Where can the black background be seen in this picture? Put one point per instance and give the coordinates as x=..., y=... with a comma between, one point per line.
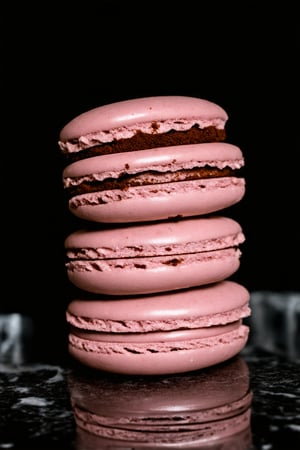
x=58, y=62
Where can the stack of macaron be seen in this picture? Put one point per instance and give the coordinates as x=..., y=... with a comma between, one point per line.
x=148, y=179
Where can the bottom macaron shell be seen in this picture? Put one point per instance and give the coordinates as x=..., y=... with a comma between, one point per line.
x=214, y=266
x=151, y=203
x=212, y=351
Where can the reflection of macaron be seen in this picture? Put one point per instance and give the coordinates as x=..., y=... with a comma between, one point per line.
x=154, y=257
x=192, y=410
x=174, y=332
x=150, y=159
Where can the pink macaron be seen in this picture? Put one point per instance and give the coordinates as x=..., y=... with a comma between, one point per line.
x=150, y=159
x=142, y=123
x=192, y=410
x=171, y=332
x=155, y=256
x=160, y=183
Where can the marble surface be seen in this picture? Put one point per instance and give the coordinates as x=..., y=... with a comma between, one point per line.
x=36, y=413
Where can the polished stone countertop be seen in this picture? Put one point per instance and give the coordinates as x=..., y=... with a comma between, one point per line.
x=36, y=413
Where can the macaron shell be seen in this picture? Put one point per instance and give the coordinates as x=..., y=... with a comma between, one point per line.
x=134, y=111
x=216, y=266
x=159, y=202
x=214, y=154
x=213, y=351
x=204, y=302
x=156, y=239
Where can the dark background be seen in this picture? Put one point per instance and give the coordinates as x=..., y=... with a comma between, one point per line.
x=58, y=62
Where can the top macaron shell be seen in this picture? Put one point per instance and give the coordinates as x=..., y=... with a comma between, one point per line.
x=206, y=306
x=126, y=116
x=163, y=159
x=172, y=237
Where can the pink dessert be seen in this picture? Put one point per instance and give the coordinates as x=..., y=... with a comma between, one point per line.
x=147, y=116
x=154, y=257
x=155, y=184
x=150, y=159
x=177, y=331
x=193, y=410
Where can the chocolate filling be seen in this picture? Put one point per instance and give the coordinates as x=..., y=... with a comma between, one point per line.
x=142, y=141
x=149, y=177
